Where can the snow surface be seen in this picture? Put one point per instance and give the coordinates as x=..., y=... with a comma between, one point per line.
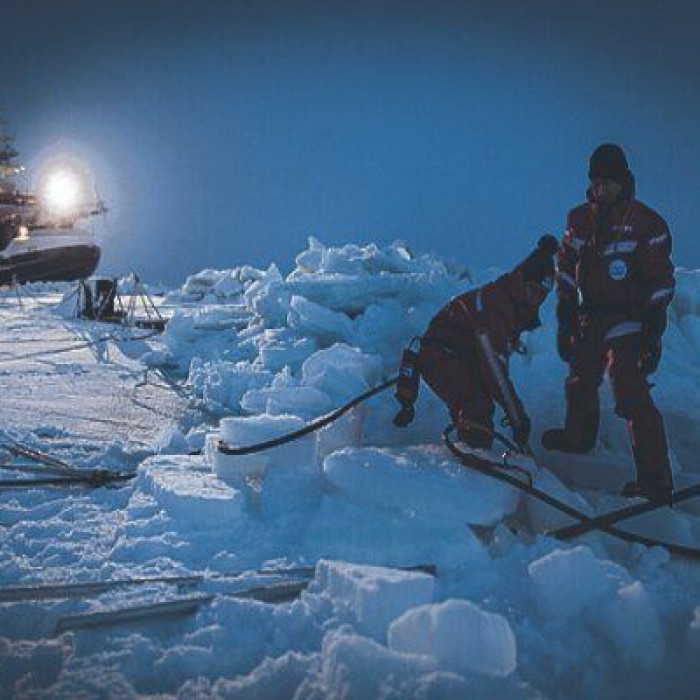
x=459, y=635
x=251, y=354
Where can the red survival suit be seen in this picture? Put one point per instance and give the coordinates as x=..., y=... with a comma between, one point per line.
x=464, y=352
x=615, y=280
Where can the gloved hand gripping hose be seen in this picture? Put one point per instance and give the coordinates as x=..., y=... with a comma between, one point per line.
x=408, y=384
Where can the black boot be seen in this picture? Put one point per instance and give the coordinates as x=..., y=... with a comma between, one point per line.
x=474, y=436
x=559, y=440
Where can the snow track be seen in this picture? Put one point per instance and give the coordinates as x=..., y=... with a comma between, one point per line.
x=83, y=394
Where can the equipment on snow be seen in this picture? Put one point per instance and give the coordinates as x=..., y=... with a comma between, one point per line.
x=63, y=474
x=274, y=593
x=98, y=298
x=312, y=427
x=85, y=589
x=164, y=608
x=626, y=512
x=102, y=300
x=503, y=472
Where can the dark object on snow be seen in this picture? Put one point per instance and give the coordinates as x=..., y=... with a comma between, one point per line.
x=87, y=589
x=185, y=605
x=106, y=292
x=605, y=523
x=98, y=298
x=309, y=428
x=55, y=472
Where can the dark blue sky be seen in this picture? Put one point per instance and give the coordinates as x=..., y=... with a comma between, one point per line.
x=224, y=133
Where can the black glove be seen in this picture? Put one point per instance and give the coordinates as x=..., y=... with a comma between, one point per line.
x=521, y=433
x=407, y=386
x=539, y=266
x=567, y=330
x=650, y=358
x=404, y=417
x=653, y=327
x=565, y=345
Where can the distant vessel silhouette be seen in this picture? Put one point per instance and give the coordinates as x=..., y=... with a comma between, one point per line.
x=41, y=236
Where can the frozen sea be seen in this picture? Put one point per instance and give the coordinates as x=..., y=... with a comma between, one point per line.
x=412, y=577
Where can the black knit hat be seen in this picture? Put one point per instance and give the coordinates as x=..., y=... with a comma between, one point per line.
x=609, y=163
x=539, y=265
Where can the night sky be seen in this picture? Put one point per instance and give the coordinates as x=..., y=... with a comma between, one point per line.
x=224, y=133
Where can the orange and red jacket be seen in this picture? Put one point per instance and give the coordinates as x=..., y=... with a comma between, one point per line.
x=484, y=327
x=619, y=268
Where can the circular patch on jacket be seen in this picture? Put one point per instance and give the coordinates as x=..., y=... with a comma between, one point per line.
x=617, y=270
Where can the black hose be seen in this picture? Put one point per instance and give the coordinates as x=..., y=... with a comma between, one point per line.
x=307, y=429
x=495, y=471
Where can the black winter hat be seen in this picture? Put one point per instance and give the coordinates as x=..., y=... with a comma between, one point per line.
x=539, y=265
x=609, y=162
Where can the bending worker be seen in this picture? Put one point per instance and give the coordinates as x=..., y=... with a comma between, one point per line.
x=464, y=352
x=614, y=284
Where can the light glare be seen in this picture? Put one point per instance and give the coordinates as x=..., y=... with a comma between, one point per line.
x=62, y=192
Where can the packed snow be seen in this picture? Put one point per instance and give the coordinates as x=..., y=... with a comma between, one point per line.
x=410, y=575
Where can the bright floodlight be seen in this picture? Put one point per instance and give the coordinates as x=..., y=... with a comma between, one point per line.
x=62, y=192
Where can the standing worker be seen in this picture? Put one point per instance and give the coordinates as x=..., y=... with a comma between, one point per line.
x=464, y=353
x=614, y=284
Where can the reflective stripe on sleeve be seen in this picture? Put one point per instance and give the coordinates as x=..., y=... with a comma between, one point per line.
x=624, y=328
x=497, y=371
x=658, y=240
x=566, y=278
x=464, y=306
x=620, y=247
x=661, y=294
x=576, y=243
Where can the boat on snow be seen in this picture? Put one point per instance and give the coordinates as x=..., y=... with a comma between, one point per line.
x=44, y=237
